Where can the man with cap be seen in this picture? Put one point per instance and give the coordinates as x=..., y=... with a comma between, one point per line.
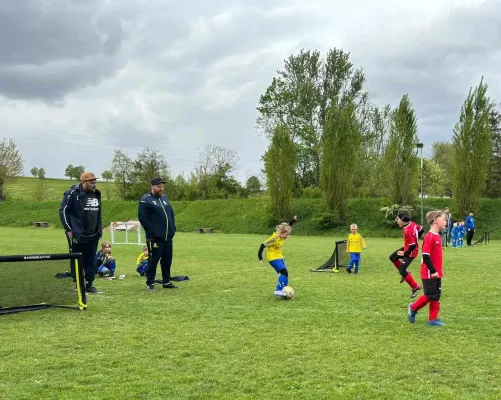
x=157, y=219
x=80, y=215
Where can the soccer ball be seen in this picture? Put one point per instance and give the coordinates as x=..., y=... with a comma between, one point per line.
x=289, y=292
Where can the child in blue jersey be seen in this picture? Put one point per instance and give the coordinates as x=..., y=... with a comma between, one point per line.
x=455, y=234
x=105, y=262
x=461, y=232
x=274, y=245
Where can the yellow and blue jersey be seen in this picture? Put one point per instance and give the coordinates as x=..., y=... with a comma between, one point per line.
x=141, y=258
x=355, y=243
x=274, y=245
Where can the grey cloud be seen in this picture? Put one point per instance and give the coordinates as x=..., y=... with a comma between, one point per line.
x=56, y=47
x=436, y=66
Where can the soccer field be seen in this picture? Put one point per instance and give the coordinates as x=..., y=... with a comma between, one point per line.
x=224, y=335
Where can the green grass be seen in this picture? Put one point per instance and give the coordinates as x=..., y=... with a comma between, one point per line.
x=223, y=335
x=25, y=188
x=247, y=216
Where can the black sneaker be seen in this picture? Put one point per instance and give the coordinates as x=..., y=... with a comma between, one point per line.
x=150, y=288
x=92, y=289
x=170, y=285
x=414, y=292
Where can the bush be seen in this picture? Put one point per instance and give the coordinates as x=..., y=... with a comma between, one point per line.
x=390, y=213
x=311, y=193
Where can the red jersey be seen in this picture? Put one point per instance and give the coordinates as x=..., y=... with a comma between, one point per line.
x=432, y=245
x=411, y=231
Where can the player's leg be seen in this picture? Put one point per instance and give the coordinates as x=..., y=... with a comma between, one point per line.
x=89, y=249
x=421, y=302
x=154, y=250
x=357, y=262
x=352, y=262
x=395, y=259
x=283, y=275
x=434, y=296
x=407, y=276
x=165, y=264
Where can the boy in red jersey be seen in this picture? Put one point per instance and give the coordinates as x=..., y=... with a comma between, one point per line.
x=431, y=270
x=402, y=257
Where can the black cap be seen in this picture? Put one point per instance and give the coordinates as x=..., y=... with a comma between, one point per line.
x=157, y=181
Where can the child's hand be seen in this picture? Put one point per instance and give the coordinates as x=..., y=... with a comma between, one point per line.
x=434, y=275
x=260, y=261
x=400, y=253
x=295, y=217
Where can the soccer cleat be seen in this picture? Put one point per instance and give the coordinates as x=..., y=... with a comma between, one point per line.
x=280, y=293
x=92, y=289
x=414, y=292
x=348, y=270
x=170, y=285
x=436, y=322
x=150, y=288
x=411, y=314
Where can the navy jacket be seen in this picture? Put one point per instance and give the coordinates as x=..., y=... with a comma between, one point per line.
x=71, y=211
x=156, y=217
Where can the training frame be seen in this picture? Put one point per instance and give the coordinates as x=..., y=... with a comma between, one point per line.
x=335, y=261
x=76, y=258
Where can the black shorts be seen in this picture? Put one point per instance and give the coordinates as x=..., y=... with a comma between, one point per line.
x=432, y=288
x=406, y=260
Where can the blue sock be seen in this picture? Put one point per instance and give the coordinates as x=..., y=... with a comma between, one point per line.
x=282, y=282
x=112, y=265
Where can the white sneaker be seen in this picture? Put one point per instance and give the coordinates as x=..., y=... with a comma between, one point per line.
x=280, y=293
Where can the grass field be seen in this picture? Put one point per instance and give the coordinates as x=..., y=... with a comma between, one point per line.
x=223, y=335
x=25, y=188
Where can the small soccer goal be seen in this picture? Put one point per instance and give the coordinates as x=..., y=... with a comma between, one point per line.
x=127, y=232
x=483, y=240
x=37, y=281
x=339, y=259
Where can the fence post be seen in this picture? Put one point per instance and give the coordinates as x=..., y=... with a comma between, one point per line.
x=112, y=233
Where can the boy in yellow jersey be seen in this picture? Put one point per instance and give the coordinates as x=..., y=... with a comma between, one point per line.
x=354, y=246
x=274, y=254
x=142, y=261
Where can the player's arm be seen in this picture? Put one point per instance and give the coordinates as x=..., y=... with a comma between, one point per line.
x=293, y=220
x=420, y=232
x=266, y=243
x=260, y=252
x=65, y=208
x=364, y=245
x=143, y=213
x=427, y=247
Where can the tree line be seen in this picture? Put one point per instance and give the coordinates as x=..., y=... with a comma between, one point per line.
x=326, y=140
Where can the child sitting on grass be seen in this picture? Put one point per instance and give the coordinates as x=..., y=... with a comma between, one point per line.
x=105, y=262
x=142, y=262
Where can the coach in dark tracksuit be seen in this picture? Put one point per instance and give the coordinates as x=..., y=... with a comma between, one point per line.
x=80, y=215
x=157, y=218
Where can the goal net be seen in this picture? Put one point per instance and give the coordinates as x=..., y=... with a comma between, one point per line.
x=127, y=232
x=339, y=259
x=37, y=281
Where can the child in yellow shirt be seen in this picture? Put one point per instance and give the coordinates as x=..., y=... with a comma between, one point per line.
x=354, y=246
x=142, y=261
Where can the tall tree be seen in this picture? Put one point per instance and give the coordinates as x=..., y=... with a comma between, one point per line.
x=300, y=97
x=34, y=172
x=279, y=166
x=11, y=163
x=443, y=157
x=41, y=173
x=472, y=149
x=122, y=168
x=433, y=178
x=107, y=175
x=341, y=146
x=401, y=161
x=493, y=182
x=148, y=164
x=368, y=179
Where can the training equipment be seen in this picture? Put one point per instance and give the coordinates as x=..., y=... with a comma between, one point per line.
x=38, y=281
x=130, y=232
x=339, y=259
x=289, y=292
x=483, y=240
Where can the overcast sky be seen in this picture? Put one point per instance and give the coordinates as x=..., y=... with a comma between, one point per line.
x=80, y=78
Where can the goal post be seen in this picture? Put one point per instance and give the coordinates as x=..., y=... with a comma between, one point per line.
x=38, y=281
x=339, y=259
x=127, y=232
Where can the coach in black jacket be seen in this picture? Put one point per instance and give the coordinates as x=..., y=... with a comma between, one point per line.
x=80, y=215
x=157, y=219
